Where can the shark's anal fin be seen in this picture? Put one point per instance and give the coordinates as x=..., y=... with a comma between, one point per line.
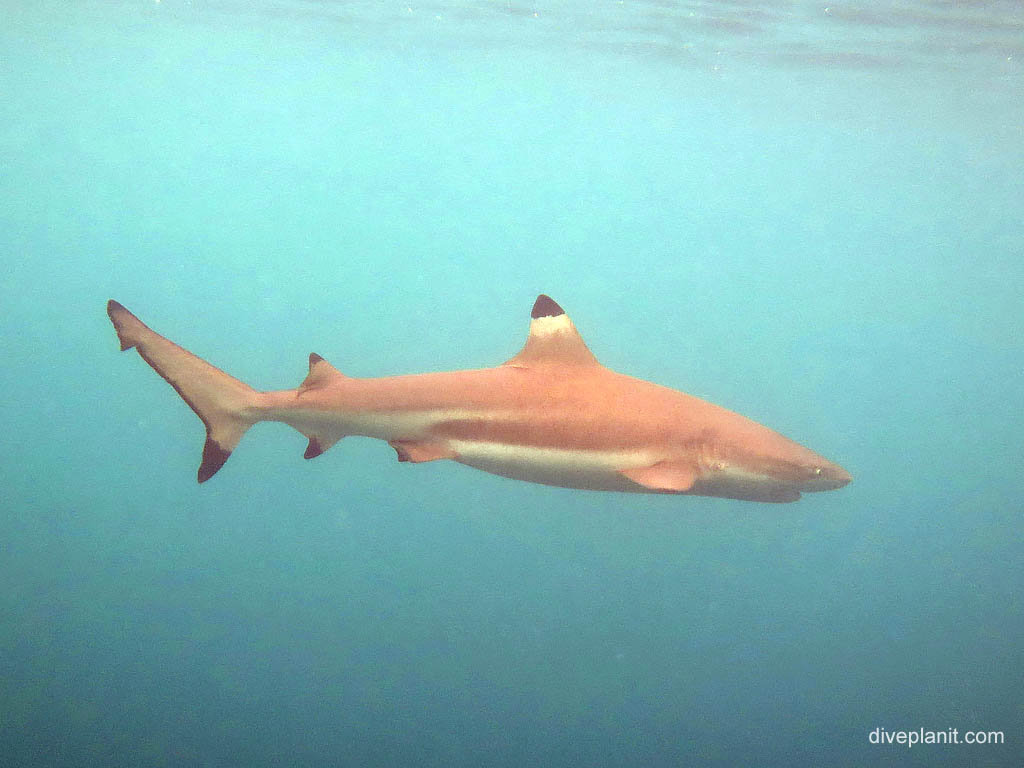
x=418, y=451
x=321, y=374
x=318, y=444
x=670, y=476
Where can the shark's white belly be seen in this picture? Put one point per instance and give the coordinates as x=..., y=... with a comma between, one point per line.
x=565, y=467
x=382, y=425
x=568, y=468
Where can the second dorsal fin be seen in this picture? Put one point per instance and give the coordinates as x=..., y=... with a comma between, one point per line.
x=553, y=339
x=321, y=373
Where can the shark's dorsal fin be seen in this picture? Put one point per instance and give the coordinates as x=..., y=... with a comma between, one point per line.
x=553, y=339
x=321, y=373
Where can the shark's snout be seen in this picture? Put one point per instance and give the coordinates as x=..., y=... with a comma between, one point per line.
x=826, y=477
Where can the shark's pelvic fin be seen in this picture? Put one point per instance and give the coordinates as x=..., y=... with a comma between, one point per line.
x=226, y=406
x=418, y=451
x=553, y=339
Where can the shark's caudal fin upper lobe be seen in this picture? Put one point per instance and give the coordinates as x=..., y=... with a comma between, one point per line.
x=227, y=406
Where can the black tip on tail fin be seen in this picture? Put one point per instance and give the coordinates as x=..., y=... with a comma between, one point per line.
x=226, y=406
x=214, y=457
x=121, y=318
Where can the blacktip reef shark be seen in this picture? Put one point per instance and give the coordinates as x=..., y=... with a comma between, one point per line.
x=552, y=415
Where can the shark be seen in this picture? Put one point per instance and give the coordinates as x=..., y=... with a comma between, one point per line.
x=552, y=414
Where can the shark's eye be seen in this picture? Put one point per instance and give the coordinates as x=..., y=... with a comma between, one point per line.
x=719, y=465
x=817, y=471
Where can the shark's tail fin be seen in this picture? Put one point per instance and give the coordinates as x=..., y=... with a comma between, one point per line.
x=227, y=406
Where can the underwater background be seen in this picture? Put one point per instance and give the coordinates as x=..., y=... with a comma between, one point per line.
x=811, y=214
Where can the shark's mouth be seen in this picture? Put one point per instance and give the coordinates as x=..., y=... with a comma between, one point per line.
x=733, y=483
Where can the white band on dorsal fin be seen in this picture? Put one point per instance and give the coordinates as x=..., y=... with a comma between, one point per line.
x=553, y=339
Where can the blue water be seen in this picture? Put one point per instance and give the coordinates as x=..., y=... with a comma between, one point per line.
x=810, y=214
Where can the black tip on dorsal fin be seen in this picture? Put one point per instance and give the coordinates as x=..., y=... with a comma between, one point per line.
x=314, y=358
x=553, y=339
x=545, y=306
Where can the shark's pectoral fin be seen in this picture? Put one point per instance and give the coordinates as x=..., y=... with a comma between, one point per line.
x=669, y=476
x=418, y=451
